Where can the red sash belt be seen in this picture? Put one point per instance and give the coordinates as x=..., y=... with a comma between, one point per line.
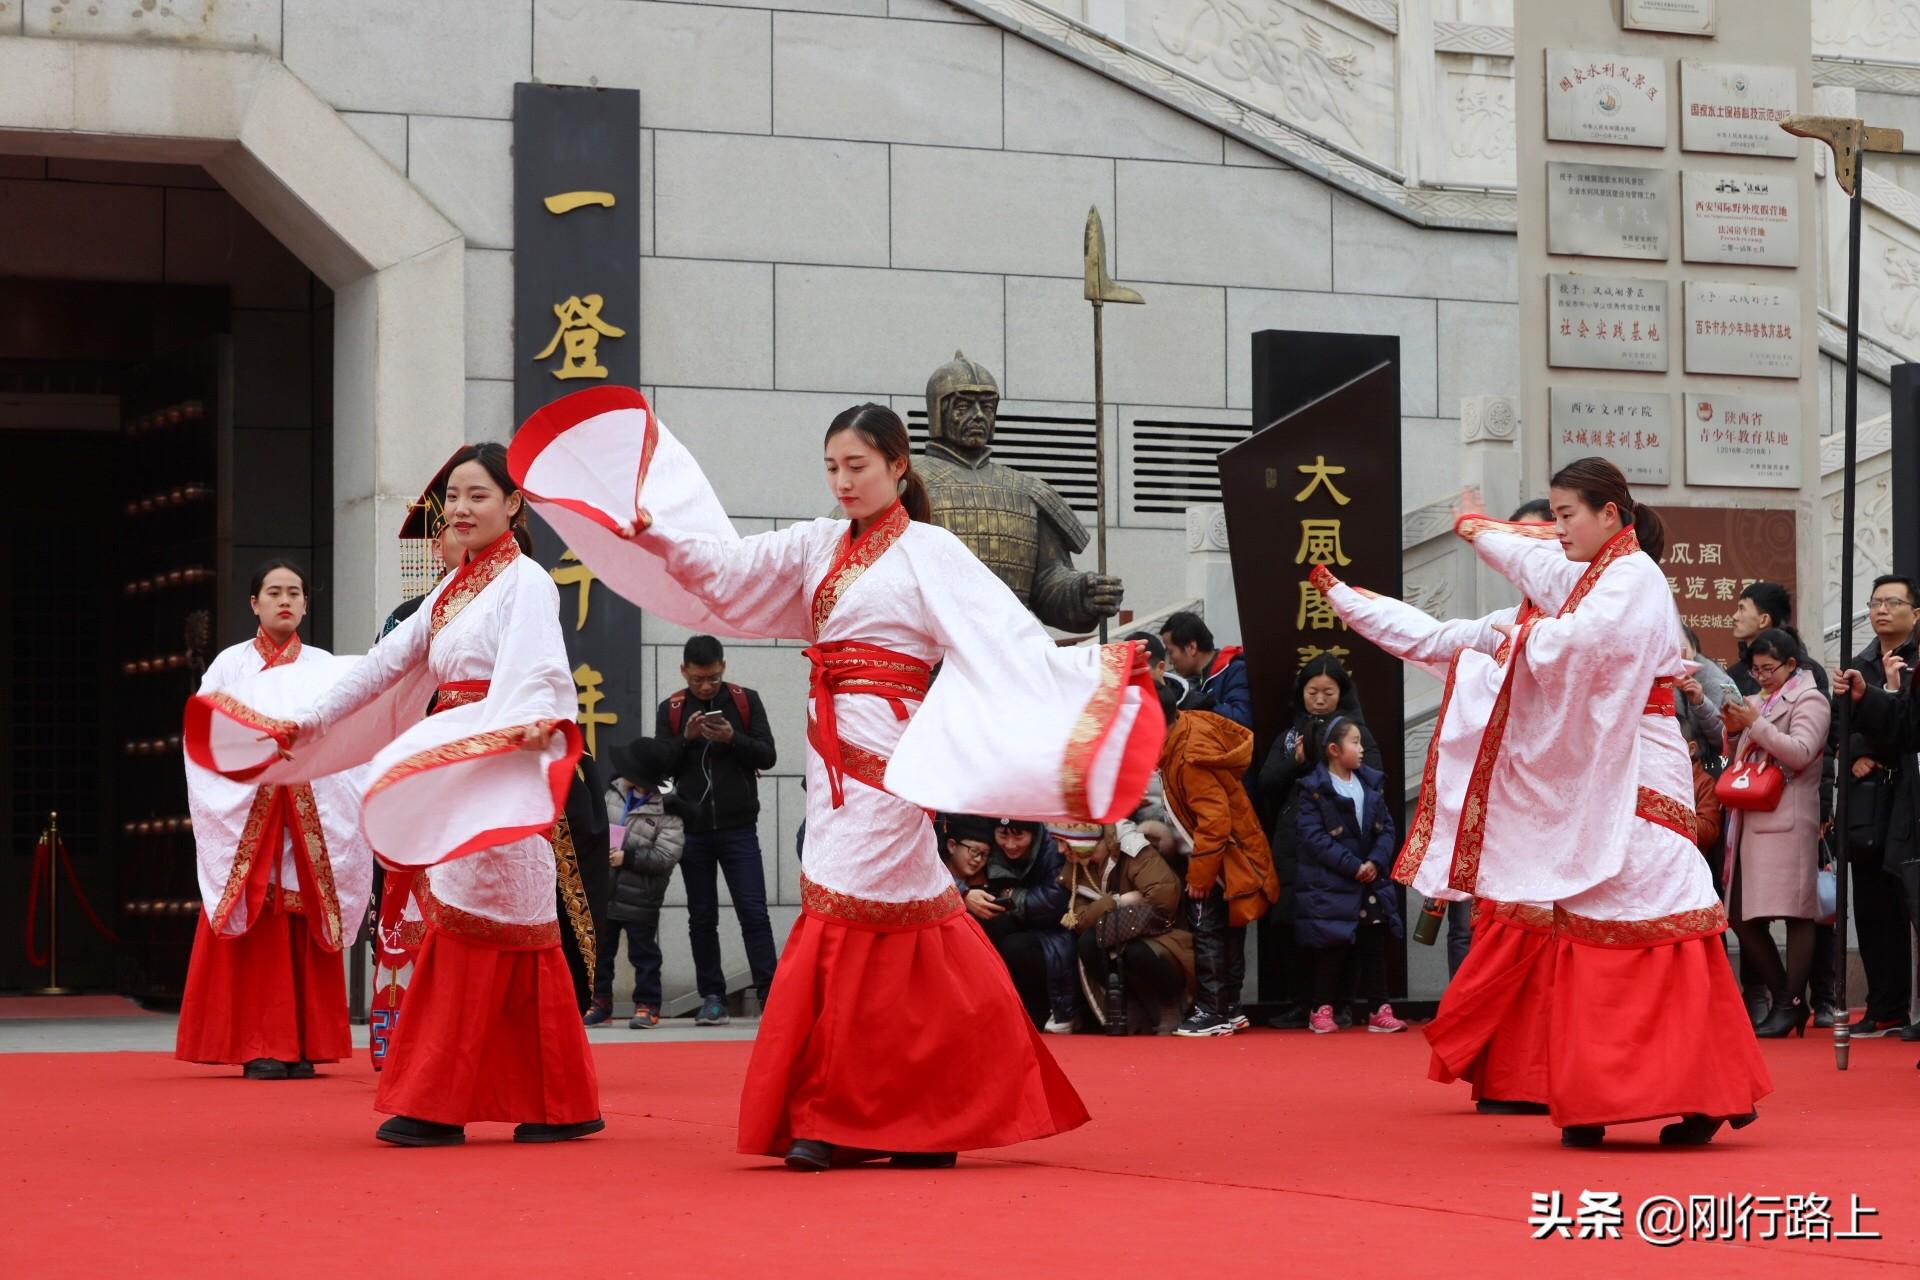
x=850, y=667
x=458, y=693
x=1660, y=699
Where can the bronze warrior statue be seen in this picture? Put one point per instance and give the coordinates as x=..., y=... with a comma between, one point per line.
x=1017, y=524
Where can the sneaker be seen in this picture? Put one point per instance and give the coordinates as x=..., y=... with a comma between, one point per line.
x=1873, y=1028
x=1384, y=1021
x=1322, y=1023
x=1238, y=1017
x=1203, y=1022
x=645, y=1018
x=1910, y=1032
x=1057, y=1026
x=600, y=1011
x=713, y=1013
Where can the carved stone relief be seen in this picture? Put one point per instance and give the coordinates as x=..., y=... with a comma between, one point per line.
x=1478, y=119
x=1304, y=60
x=1875, y=29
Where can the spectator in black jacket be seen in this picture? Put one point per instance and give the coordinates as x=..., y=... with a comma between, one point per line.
x=719, y=740
x=1321, y=689
x=1020, y=909
x=1879, y=780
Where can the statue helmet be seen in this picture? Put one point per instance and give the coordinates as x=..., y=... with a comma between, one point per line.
x=956, y=375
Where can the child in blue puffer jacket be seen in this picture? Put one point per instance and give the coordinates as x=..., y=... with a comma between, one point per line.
x=1344, y=903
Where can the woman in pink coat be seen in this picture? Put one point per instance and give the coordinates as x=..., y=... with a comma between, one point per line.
x=1772, y=855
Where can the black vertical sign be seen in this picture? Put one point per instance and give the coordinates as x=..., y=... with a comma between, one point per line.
x=576, y=309
x=1317, y=483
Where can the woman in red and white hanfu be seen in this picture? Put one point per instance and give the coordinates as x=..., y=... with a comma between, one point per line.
x=1557, y=776
x=284, y=876
x=466, y=797
x=894, y=1028
x=1492, y=1026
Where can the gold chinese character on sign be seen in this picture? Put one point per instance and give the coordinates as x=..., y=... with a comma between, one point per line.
x=568, y=201
x=1315, y=614
x=1320, y=543
x=1322, y=474
x=581, y=329
x=571, y=573
x=1308, y=652
x=587, y=680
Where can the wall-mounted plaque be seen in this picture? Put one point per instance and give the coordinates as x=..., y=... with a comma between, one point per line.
x=1752, y=330
x=1736, y=109
x=1608, y=211
x=1607, y=322
x=1740, y=218
x=1631, y=429
x=1749, y=441
x=1606, y=97
x=1682, y=17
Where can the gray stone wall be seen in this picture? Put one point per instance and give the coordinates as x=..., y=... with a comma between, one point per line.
x=836, y=195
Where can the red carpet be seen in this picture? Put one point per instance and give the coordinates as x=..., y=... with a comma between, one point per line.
x=1322, y=1156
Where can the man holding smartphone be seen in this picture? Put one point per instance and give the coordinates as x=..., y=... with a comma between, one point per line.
x=720, y=741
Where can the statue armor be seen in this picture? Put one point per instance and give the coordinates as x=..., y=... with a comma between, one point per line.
x=1017, y=524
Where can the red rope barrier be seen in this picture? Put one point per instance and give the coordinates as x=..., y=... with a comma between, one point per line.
x=43, y=852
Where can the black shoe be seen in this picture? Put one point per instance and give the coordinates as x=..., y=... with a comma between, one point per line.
x=809, y=1156
x=1786, y=1019
x=557, y=1132
x=264, y=1069
x=1501, y=1107
x=1759, y=1005
x=1583, y=1135
x=923, y=1159
x=301, y=1070
x=1203, y=1022
x=1910, y=1032
x=1869, y=1028
x=1693, y=1131
x=405, y=1131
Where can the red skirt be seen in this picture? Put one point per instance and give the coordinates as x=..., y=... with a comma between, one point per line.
x=1492, y=1027
x=1650, y=1032
x=271, y=992
x=489, y=1034
x=898, y=1039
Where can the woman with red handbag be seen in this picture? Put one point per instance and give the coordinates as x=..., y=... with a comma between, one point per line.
x=1772, y=790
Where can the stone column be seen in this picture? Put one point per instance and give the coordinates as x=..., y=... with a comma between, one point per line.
x=1490, y=468
x=1210, y=571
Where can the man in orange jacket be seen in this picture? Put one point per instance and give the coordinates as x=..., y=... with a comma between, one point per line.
x=1230, y=878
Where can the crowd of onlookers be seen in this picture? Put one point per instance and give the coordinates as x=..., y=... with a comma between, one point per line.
x=1143, y=922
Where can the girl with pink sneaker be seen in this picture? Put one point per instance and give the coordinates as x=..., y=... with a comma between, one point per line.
x=1345, y=906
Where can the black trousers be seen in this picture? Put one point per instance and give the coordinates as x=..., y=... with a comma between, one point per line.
x=1219, y=953
x=1156, y=988
x=1327, y=968
x=1886, y=951
x=1026, y=960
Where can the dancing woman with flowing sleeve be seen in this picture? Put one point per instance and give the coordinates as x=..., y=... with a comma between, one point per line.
x=464, y=802
x=1537, y=792
x=893, y=1029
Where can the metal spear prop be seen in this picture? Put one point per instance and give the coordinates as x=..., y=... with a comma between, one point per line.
x=1851, y=140
x=1101, y=290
